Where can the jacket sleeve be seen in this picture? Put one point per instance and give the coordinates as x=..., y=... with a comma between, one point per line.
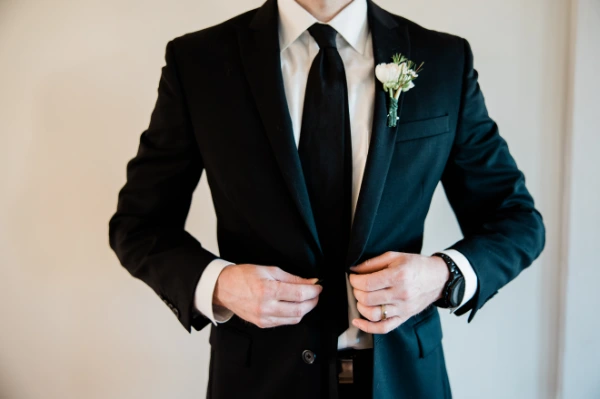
x=503, y=232
x=147, y=232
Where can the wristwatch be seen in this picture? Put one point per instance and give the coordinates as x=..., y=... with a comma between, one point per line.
x=454, y=290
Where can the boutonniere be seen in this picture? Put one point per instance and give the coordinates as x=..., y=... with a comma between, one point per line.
x=396, y=76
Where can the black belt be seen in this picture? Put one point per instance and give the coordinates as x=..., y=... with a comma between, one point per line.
x=355, y=373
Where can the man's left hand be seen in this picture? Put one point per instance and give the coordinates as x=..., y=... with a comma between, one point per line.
x=405, y=283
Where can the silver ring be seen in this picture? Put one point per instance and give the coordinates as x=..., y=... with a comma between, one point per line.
x=383, y=312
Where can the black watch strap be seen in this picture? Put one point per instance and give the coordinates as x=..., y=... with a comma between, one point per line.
x=454, y=290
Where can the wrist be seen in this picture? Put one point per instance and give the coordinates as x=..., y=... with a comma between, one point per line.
x=442, y=274
x=222, y=282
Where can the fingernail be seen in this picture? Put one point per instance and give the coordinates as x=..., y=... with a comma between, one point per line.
x=313, y=280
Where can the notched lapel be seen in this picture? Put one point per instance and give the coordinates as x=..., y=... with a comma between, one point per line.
x=389, y=37
x=259, y=47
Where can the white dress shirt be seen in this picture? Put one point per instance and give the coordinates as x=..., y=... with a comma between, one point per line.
x=298, y=49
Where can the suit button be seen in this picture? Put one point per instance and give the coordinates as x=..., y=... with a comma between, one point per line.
x=308, y=357
x=175, y=311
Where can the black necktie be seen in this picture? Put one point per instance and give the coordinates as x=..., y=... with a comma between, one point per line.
x=326, y=157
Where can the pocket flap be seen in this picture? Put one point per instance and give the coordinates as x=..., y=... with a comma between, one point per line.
x=423, y=128
x=429, y=333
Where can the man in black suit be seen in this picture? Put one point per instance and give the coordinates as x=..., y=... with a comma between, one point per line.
x=321, y=193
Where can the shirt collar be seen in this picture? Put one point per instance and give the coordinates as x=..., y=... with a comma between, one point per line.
x=350, y=23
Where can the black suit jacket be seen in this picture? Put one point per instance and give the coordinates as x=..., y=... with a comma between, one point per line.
x=221, y=109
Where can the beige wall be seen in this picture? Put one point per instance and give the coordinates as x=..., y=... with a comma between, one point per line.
x=78, y=82
x=580, y=377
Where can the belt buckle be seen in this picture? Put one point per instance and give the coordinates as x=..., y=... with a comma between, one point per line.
x=346, y=375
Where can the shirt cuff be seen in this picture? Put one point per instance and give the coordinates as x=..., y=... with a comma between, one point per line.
x=468, y=273
x=205, y=289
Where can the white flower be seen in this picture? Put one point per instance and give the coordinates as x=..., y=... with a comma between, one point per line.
x=408, y=85
x=388, y=74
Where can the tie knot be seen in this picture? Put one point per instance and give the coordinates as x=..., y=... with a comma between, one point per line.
x=323, y=34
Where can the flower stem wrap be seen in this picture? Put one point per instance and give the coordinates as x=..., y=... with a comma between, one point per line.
x=392, y=111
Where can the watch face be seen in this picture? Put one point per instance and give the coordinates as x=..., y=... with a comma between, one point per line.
x=456, y=291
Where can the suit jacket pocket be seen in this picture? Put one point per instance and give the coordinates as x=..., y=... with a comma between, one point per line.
x=423, y=128
x=429, y=333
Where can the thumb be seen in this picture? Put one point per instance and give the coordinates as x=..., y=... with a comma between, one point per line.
x=281, y=275
x=375, y=264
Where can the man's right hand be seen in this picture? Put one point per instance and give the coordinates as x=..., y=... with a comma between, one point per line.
x=265, y=295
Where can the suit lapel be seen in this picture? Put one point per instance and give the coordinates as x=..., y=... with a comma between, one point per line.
x=259, y=47
x=388, y=38
x=259, y=50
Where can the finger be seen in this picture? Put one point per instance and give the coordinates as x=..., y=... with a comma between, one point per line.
x=270, y=321
x=379, y=327
x=375, y=264
x=296, y=292
x=374, y=313
x=293, y=309
x=281, y=275
x=374, y=298
x=372, y=281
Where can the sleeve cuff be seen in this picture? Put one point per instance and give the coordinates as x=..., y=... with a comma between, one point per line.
x=468, y=273
x=205, y=290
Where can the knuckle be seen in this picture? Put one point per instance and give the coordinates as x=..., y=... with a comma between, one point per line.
x=258, y=310
x=297, y=295
x=403, y=294
x=272, y=269
x=401, y=274
x=275, y=288
x=269, y=289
